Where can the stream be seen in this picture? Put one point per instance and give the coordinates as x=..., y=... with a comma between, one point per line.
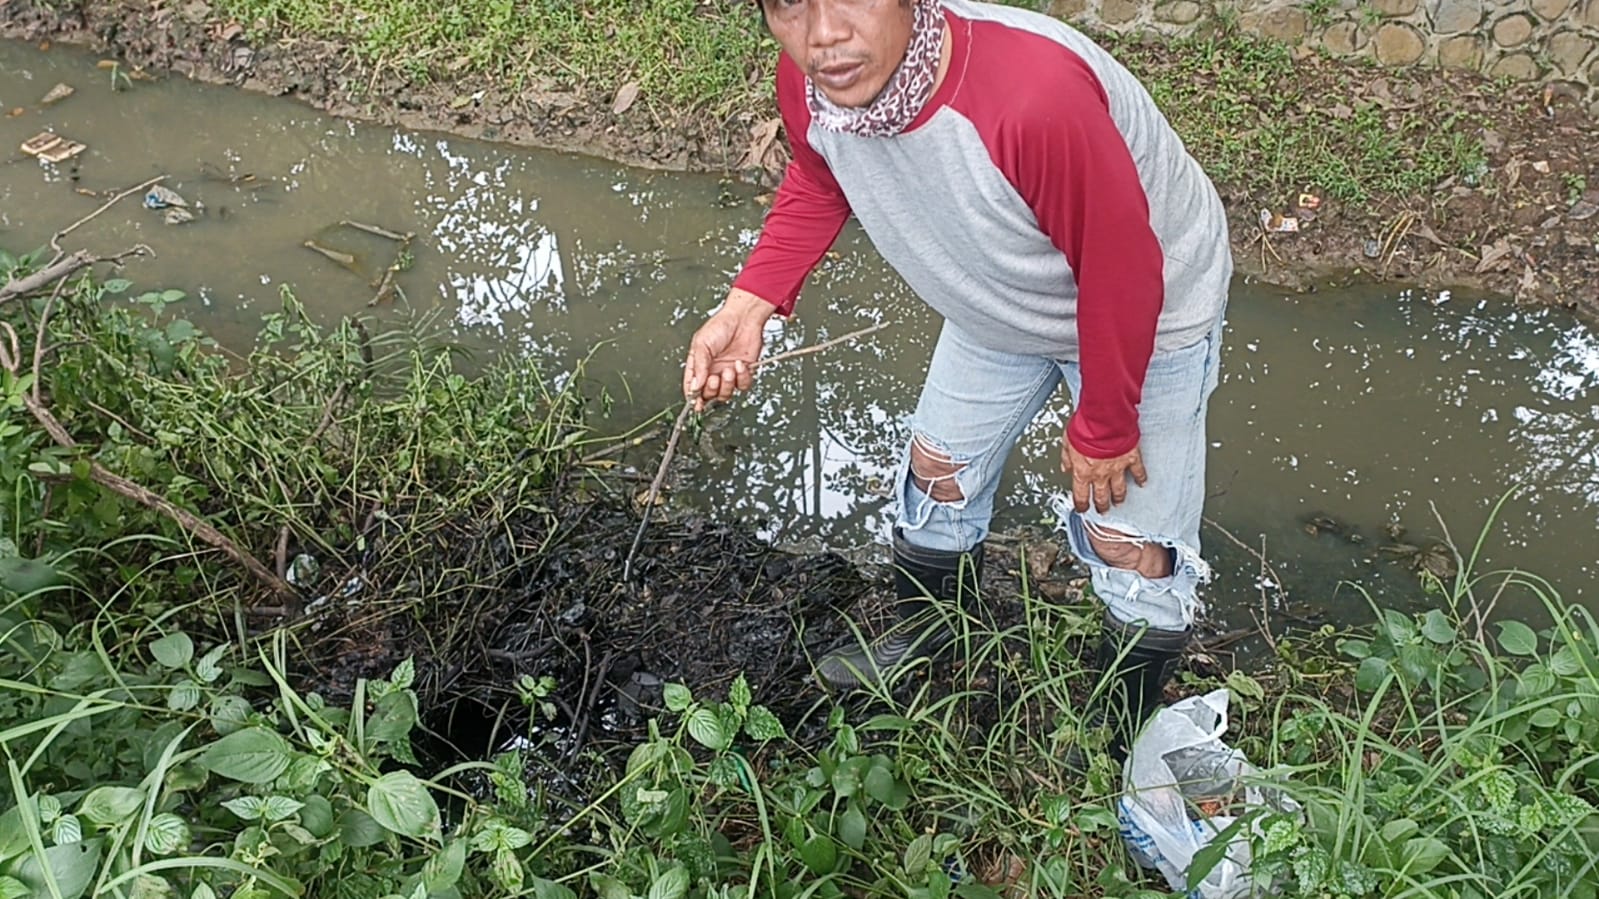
x=1344, y=417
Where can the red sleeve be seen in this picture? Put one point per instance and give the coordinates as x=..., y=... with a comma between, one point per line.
x=1067, y=159
x=806, y=215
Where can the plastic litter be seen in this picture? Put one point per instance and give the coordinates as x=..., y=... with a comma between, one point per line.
x=1183, y=787
x=52, y=147
x=1277, y=223
x=57, y=94
x=303, y=570
x=159, y=197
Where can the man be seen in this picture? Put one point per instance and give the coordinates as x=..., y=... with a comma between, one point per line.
x=1028, y=189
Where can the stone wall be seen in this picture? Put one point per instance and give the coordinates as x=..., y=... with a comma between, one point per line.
x=1554, y=41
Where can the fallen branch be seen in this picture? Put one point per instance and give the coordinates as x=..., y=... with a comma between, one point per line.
x=10, y=359
x=61, y=268
x=55, y=239
x=682, y=419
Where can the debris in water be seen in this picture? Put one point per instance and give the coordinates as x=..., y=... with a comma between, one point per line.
x=1276, y=223
x=178, y=215
x=160, y=197
x=57, y=94
x=303, y=570
x=344, y=259
x=52, y=147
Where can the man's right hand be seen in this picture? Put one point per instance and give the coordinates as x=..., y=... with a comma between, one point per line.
x=723, y=353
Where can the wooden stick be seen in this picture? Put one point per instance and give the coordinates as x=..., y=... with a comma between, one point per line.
x=682, y=420
x=55, y=239
x=98, y=473
x=63, y=267
x=374, y=229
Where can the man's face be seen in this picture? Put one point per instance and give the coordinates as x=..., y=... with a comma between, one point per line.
x=849, y=48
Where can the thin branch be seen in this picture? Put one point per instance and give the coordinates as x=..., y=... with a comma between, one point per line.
x=1264, y=565
x=98, y=473
x=62, y=268
x=682, y=420
x=56, y=238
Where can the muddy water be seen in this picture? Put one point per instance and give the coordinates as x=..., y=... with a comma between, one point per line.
x=1357, y=411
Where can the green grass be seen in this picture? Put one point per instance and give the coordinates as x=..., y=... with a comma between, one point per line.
x=1256, y=120
x=685, y=55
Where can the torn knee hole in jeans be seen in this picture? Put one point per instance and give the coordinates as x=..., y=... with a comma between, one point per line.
x=1117, y=549
x=935, y=470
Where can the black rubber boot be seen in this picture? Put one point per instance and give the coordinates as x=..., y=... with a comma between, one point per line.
x=920, y=576
x=1143, y=660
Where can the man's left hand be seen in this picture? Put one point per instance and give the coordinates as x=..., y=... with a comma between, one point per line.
x=1103, y=480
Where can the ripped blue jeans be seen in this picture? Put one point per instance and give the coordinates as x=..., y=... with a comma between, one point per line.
x=975, y=405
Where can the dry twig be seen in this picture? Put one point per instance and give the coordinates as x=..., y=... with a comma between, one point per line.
x=682, y=420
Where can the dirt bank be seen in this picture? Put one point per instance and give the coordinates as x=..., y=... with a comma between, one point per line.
x=1524, y=223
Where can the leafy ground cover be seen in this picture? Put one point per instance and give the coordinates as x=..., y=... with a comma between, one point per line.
x=171, y=726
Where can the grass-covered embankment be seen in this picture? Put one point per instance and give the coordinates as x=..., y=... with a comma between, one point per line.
x=160, y=739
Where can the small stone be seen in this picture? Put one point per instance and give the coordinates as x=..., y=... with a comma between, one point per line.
x=1456, y=16
x=1551, y=10
x=1041, y=561
x=1517, y=67
x=1118, y=12
x=1568, y=49
x=1590, y=14
x=1463, y=51
x=1286, y=24
x=1182, y=12
x=1394, y=8
x=1513, y=31
x=1371, y=249
x=1344, y=38
x=57, y=94
x=1067, y=9
x=1398, y=44
x=1055, y=590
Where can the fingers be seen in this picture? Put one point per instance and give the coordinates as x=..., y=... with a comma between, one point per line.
x=744, y=373
x=1118, y=490
x=1137, y=468
x=1080, y=491
x=695, y=368
x=1104, y=490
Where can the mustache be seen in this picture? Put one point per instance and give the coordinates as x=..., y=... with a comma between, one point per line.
x=832, y=59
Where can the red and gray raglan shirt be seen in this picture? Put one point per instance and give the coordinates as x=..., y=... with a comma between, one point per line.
x=1040, y=202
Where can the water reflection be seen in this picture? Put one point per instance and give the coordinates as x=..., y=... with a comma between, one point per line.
x=1362, y=407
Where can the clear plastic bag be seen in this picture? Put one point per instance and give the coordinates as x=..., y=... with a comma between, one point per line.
x=1182, y=787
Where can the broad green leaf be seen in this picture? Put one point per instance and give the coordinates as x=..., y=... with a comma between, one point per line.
x=183, y=696
x=1517, y=639
x=229, y=713
x=918, y=854
x=116, y=285
x=250, y=808
x=49, y=808
x=12, y=888
x=1245, y=686
x=278, y=808
x=1399, y=830
x=1565, y=662
x=507, y=870
x=203, y=891
x=706, y=729
x=66, y=830
x=443, y=870
x=358, y=830
x=1435, y=626
x=166, y=834
x=677, y=697
x=392, y=718
x=608, y=887
x=13, y=834
x=819, y=854
x=174, y=650
x=1536, y=681
x=739, y=694
x=762, y=725
x=1422, y=854
x=1545, y=718
x=401, y=803
x=253, y=755
x=1372, y=672
x=209, y=668
x=852, y=827
x=73, y=866
x=724, y=770
x=549, y=889
x=317, y=816
x=105, y=806
x=404, y=675
x=879, y=782
x=671, y=884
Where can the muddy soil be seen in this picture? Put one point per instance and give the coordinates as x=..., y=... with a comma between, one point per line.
x=541, y=594
x=1527, y=227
